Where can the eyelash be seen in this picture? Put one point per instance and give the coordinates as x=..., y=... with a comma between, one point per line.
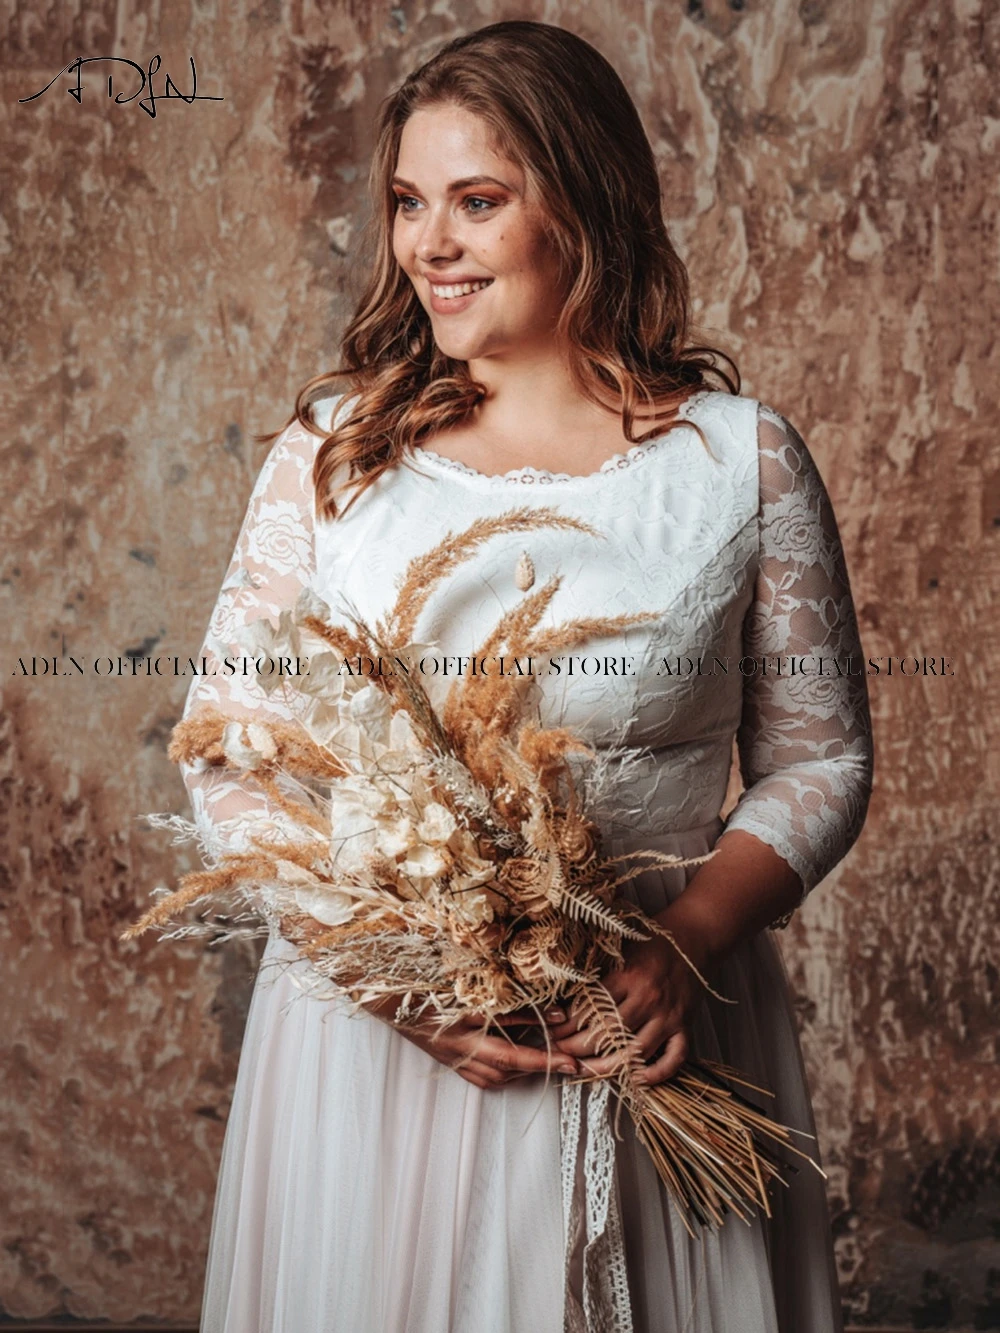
x=402, y=199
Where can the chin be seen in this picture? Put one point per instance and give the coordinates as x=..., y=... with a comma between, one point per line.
x=452, y=345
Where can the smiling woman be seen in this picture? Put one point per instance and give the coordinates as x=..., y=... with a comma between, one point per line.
x=524, y=332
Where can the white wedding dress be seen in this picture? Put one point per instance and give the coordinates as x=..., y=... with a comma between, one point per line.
x=367, y=1188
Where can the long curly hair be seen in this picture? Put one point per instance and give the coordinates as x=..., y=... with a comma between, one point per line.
x=559, y=110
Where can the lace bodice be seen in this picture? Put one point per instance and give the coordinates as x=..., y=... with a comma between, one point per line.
x=738, y=549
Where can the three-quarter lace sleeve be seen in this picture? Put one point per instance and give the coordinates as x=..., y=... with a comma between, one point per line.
x=805, y=738
x=274, y=558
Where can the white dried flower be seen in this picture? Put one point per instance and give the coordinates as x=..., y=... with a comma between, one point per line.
x=424, y=862
x=309, y=603
x=437, y=824
x=328, y=906
x=292, y=873
x=371, y=712
x=247, y=745
x=261, y=740
x=473, y=906
x=354, y=841
x=395, y=837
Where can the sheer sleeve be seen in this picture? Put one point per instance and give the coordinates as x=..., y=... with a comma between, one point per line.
x=805, y=738
x=274, y=558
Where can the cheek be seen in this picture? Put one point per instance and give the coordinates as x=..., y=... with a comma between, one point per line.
x=402, y=251
x=527, y=254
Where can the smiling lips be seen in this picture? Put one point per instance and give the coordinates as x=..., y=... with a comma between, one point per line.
x=454, y=296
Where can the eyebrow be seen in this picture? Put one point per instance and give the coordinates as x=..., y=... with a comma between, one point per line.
x=462, y=184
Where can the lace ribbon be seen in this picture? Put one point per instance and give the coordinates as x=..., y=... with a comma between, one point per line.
x=606, y=1303
x=591, y=1206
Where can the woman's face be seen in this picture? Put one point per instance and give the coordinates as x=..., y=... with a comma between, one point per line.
x=470, y=235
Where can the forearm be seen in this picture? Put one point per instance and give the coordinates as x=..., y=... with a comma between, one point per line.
x=739, y=892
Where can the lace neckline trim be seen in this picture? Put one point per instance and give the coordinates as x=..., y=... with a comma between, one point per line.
x=534, y=476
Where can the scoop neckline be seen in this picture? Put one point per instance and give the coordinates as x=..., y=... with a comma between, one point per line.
x=528, y=475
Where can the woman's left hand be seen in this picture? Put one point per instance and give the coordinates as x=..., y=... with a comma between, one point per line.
x=657, y=995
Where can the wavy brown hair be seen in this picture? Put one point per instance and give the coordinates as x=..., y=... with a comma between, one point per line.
x=559, y=110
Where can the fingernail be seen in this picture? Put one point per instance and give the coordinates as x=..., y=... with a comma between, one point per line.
x=567, y=1066
x=555, y=1016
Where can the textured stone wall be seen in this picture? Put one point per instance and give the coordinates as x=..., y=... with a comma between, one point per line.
x=830, y=172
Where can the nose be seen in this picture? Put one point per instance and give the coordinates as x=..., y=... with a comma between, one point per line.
x=437, y=238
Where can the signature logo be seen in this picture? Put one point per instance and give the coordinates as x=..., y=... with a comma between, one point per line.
x=145, y=76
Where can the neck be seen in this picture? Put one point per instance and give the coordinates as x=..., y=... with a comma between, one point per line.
x=532, y=397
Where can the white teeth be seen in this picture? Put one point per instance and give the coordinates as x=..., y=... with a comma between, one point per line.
x=460, y=289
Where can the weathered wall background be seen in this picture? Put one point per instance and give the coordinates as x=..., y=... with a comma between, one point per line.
x=831, y=174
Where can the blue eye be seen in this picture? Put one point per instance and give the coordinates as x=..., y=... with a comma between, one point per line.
x=476, y=204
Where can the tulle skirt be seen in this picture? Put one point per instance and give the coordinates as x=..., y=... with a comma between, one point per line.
x=367, y=1188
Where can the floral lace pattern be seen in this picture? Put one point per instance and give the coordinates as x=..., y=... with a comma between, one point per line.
x=273, y=560
x=805, y=740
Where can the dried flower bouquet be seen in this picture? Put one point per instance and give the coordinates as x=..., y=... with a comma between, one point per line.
x=443, y=855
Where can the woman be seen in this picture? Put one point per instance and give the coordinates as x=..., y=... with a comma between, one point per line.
x=523, y=339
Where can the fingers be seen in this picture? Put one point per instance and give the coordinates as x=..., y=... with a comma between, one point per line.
x=495, y=1070
x=485, y=1074
x=585, y=1041
x=479, y=1074
x=569, y=1024
x=577, y=1043
x=668, y=1063
x=486, y=1077
x=616, y=984
x=649, y=1038
x=509, y=1057
x=487, y=1060
x=521, y=1017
